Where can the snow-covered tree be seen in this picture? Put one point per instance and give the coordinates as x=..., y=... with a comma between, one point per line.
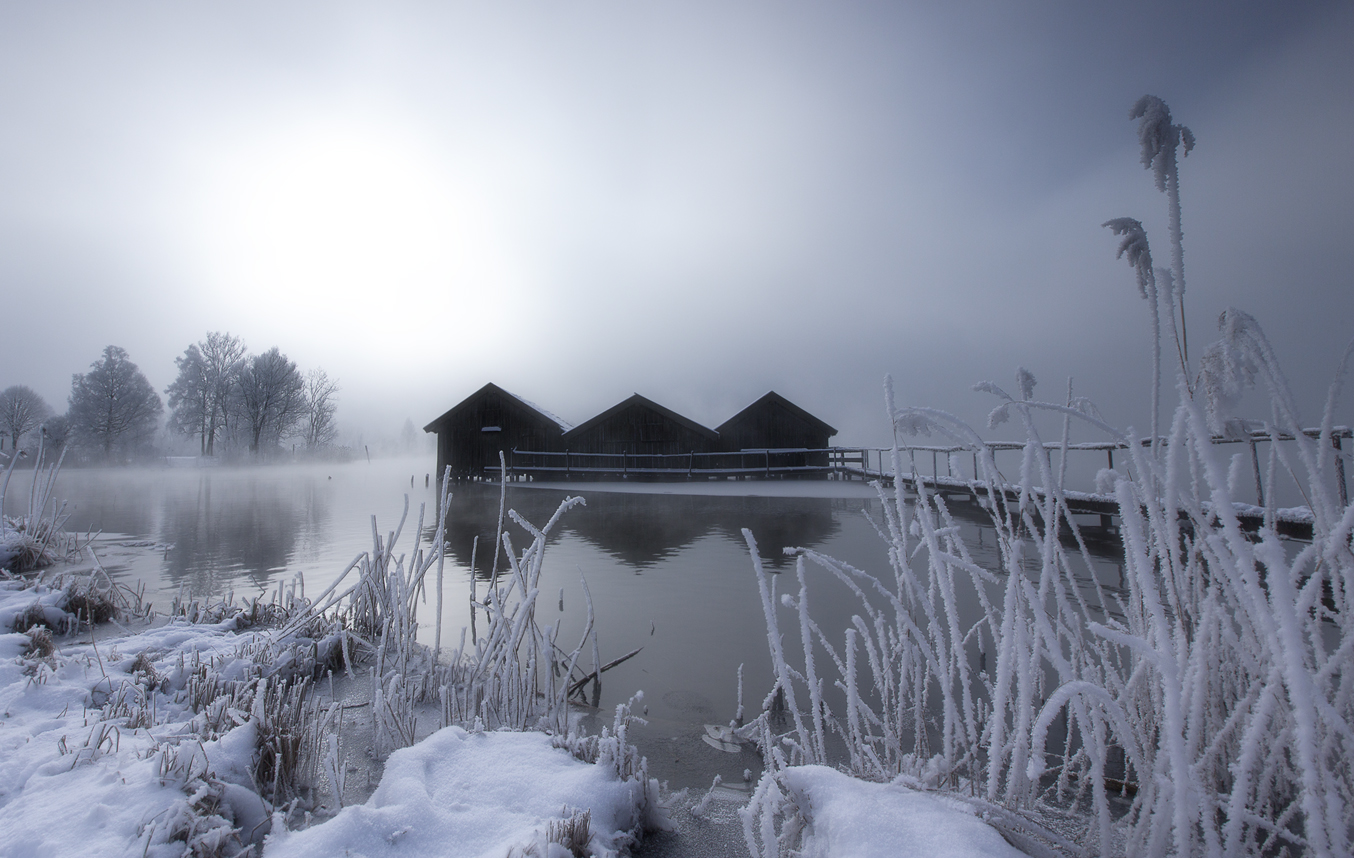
x=271, y=398
x=321, y=405
x=21, y=410
x=113, y=407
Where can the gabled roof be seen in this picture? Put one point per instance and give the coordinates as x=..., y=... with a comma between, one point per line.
x=774, y=398
x=563, y=425
x=637, y=400
x=494, y=388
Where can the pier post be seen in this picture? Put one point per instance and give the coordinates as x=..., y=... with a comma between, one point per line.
x=1255, y=464
x=1340, y=472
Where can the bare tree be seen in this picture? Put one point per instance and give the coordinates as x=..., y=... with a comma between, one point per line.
x=223, y=359
x=21, y=409
x=113, y=406
x=200, y=397
x=321, y=405
x=271, y=398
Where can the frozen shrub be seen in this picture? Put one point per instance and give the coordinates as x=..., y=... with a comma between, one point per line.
x=90, y=603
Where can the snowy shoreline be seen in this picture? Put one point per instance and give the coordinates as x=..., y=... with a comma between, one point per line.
x=149, y=735
x=107, y=748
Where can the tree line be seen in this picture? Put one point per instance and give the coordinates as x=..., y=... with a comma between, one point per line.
x=231, y=402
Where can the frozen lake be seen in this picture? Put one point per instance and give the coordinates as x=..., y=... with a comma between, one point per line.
x=666, y=565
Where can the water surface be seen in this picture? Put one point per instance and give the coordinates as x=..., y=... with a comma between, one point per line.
x=668, y=570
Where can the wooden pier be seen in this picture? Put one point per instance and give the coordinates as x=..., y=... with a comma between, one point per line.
x=795, y=462
x=873, y=463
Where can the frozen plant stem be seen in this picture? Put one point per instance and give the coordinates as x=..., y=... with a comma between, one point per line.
x=1212, y=688
x=1160, y=138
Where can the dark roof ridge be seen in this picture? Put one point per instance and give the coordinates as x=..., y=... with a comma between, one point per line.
x=637, y=399
x=775, y=397
x=494, y=388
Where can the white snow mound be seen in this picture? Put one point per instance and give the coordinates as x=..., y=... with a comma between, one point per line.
x=861, y=819
x=474, y=794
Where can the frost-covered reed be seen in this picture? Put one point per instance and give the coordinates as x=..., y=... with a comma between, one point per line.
x=1204, y=708
x=515, y=674
x=36, y=537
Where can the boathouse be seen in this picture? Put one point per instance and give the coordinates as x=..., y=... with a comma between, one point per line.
x=640, y=426
x=774, y=422
x=634, y=439
x=491, y=420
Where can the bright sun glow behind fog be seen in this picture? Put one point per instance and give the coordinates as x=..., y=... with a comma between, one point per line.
x=332, y=223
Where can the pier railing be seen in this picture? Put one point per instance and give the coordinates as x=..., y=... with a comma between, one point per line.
x=761, y=463
x=875, y=463
x=843, y=462
x=917, y=456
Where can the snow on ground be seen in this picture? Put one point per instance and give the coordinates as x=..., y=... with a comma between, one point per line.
x=845, y=816
x=101, y=754
x=475, y=794
x=73, y=783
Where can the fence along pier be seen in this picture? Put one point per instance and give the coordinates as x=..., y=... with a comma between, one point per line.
x=874, y=463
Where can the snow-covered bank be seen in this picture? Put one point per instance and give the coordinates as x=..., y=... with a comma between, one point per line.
x=109, y=747
x=101, y=752
x=481, y=794
x=206, y=731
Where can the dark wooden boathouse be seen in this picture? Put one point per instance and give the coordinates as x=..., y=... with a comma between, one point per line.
x=473, y=432
x=640, y=426
x=774, y=422
x=635, y=439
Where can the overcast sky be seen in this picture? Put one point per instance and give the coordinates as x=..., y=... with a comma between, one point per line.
x=695, y=201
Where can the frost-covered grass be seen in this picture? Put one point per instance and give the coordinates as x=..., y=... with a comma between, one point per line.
x=36, y=537
x=208, y=732
x=1206, y=708
x=107, y=748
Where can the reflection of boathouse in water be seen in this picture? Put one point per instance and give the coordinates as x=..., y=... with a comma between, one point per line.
x=634, y=439
x=640, y=528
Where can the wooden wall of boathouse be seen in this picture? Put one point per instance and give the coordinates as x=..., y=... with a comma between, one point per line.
x=776, y=423
x=639, y=426
x=471, y=434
